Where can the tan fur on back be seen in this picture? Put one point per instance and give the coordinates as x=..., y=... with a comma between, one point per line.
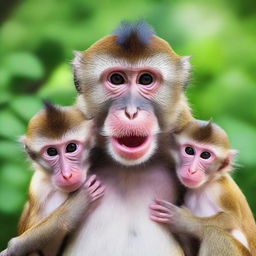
x=233, y=201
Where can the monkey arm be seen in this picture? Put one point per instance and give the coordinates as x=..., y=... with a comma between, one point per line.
x=24, y=219
x=183, y=220
x=53, y=228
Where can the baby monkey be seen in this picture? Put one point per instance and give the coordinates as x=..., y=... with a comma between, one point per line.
x=58, y=141
x=215, y=210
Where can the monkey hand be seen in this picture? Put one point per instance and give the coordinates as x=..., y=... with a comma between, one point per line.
x=4, y=253
x=165, y=212
x=16, y=247
x=93, y=188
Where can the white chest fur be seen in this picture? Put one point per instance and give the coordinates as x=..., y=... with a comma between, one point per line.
x=120, y=224
x=202, y=202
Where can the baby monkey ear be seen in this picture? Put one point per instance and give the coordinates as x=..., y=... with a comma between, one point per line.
x=232, y=153
x=229, y=160
x=22, y=139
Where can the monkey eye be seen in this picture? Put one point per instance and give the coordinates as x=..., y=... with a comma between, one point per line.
x=116, y=79
x=205, y=155
x=71, y=147
x=52, y=151
x=190, y=151
x=145, y=79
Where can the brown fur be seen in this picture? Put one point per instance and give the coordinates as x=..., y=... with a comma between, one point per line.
x=174, y=112
x=107, y=45
x=235, y=212
x=54, y=122
x=206, y=132
x=233, y=201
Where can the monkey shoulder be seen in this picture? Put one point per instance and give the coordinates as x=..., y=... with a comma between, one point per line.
x=47, y=201
x=231, y=197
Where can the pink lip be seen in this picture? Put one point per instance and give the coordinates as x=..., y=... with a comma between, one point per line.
x=189, y=182
x=133, y=152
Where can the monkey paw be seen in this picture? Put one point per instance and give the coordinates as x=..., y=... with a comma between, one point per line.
x=4, y=253
x=94, y=188
x=165, y=212
x=13, y=248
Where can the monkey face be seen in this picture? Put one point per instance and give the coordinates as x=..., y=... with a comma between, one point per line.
x=137, y=80
x=131, y=125
x=197, y=161
x=64, y=161
x=59, y=140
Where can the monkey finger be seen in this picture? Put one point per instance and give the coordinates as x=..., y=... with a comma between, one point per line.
x=98, y=196
x=4, y=253
x=165, y=203
x=100, y=190
x=90, y=181
x=161, y=214
x=158, y=207
x=95, y=186
x=157, y=219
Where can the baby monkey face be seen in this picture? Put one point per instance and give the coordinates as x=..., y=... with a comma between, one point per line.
x=196, y=162
x=65, y=161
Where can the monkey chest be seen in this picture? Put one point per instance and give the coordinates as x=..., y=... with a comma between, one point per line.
x=202, y=203
x=120, y=224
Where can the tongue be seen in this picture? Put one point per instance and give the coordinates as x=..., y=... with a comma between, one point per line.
x=131, y=141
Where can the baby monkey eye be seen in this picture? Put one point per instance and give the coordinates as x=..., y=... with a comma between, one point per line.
x=145, y=79
x=116, y=79
x=205, y=155
x=52, y=151
x=189, y=151
x=71, y=147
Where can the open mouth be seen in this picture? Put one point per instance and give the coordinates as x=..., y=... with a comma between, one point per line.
x=132, y=141
x=131, y=147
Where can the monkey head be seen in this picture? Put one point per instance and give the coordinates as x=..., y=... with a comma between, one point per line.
x=58, y=140
x=133, y=82
x=204, y=152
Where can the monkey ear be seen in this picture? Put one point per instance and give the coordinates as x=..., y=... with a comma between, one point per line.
x=186, y=67
x=76, y=67
x=232, y=154
x=228, y=162
x=22, y=139
x=185, y=62
x=77, y=59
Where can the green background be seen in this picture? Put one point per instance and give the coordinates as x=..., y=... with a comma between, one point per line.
x=36, y=43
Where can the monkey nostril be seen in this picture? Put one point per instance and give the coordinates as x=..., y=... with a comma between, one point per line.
x=191, y=171
x=131, y=113
x=67, y=176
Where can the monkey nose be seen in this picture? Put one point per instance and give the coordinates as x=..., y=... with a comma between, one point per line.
x=131, y=112
x=67, y=175
x=192, y=171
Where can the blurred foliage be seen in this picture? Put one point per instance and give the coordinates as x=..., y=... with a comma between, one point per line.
x=36, y=43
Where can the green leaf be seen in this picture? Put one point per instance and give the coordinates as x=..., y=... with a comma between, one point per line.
x=24, y=64
x=242, y=136
x=8, y=149
x=10, y=125
x=15, y=175
x=26, y=106
x=11, y=198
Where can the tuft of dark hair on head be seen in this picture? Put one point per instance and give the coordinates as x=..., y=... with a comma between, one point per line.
x=48, y=105
x=204, y=132
x=55, y=117
x=129, y=33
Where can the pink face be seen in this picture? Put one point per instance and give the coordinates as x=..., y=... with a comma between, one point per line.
x=196, y=160
x=131, y=121
x=65, y=161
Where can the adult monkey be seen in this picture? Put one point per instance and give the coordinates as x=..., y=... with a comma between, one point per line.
x=132, y=83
